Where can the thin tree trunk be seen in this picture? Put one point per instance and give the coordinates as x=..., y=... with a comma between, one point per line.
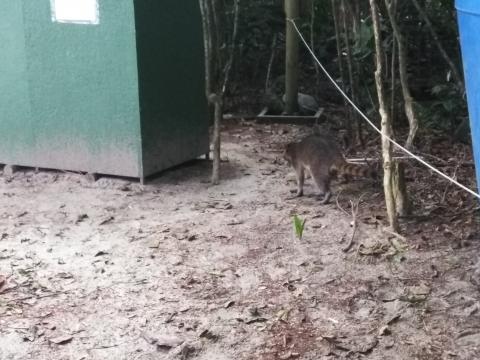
x=292, y=12
x=402, y=203
x=393, y=72
x=393, y=77
x=312, y=45
x=386, y=123
x=402, y=68
x=217, y=67
x=339, y=42
x=338, y=37
x=207, y=44
x=228, y=66
x=218, y=103
x=355, y=16
x=455, y=73
x=270, y=63
x=351, y=80
x=216, y=95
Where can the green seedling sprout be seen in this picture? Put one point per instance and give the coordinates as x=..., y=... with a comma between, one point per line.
x=299, y=226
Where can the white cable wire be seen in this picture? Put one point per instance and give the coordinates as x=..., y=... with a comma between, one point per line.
x=372, y=124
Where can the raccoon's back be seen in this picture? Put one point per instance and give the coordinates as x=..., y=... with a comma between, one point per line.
x=317, y=149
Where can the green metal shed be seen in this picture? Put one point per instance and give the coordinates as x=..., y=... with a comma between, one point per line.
x=102, y=86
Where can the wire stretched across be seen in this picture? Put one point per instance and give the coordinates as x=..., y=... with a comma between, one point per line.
x=420, y=160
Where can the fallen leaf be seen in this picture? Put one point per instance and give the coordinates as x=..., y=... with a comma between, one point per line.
x=65, y=275
x=225, y=206
x=229, y=304
x=81, y=218
x=31, y=334
x=235, y=222
x=258, y=319
x=3, y=281
x=421, y=289
x=468, y=311
x=283, y=314
x=289, y=355
x=106, y=220
x=61, y=340
x=207, y=334
x=101, y=253
x=384, y=330
x=170, y=317
x=393, y=319
x=360, y=344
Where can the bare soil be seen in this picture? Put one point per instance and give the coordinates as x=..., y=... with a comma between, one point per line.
x=180, y=269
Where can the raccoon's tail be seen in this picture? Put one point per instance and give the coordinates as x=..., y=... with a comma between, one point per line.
x=354, y=170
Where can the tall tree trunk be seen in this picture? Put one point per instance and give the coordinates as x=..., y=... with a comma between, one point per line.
x=207, y=45
x=338, y=37
x=270, y=63
x=218, y=104
x=353, y=91
x=312, y=45
x=217, y=65
x=402, y=202
x=292, y=12
x=386, y=122
x=402, y=68
x=393, y=80
x=356, y=20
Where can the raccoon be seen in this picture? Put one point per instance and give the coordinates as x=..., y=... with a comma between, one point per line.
x=324, y=161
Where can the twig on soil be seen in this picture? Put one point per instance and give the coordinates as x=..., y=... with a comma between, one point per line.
x=104, y=347
x=354, y=224
x=367, y=160
x=36, y=297
x=393, y=233
x=354, y=208
x=338, y=204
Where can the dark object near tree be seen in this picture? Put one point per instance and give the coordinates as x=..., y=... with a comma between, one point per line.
x=307, y=105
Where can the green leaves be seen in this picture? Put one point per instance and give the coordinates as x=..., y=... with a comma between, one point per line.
x=298, y=226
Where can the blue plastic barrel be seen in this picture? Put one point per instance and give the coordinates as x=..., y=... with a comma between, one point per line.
x=469, y=25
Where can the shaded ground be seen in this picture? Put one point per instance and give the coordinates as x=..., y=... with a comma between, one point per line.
x=178, y=269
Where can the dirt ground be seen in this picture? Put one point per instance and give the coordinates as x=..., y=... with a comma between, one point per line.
x=180, y=269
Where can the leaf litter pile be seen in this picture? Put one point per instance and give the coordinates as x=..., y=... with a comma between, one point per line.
x=180, y=269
